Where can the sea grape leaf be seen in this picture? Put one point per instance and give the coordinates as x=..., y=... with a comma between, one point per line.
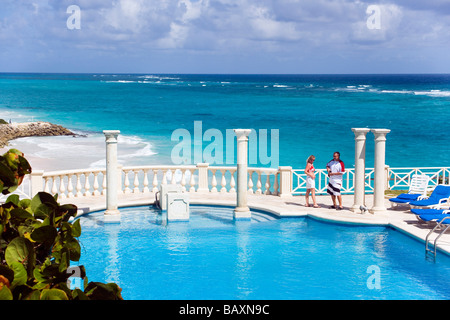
x=76, y=228
x=20, y=274
x=14, y=198
x=21, y=214
x=21, y=250
x=5, y=293
x=44, y=234
x=53, y=294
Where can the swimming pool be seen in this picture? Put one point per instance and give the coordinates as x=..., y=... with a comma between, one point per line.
x=213, y=257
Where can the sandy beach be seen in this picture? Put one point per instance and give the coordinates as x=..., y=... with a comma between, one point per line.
x=53, y=153
x=46, y=158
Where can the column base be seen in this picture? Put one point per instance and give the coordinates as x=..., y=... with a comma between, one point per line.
x=242, y=213
x=111, y=216
x=377, y=210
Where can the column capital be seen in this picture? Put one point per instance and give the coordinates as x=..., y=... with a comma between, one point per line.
x=242, y=134
x=202, y=165
x=111, y=135
x=361, y=130
x=360, y=133
x=380, y=133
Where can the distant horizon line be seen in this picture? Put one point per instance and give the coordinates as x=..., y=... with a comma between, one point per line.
x=230, y=74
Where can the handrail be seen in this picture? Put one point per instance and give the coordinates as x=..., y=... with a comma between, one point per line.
x=205, y=178
x=145, y=179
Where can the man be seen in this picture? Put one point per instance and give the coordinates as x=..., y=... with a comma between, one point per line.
x=335, y=170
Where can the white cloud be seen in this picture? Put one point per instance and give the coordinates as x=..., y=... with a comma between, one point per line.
x=291, y=29
x=390, y=17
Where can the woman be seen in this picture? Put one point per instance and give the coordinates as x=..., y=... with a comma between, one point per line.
x=310, y=181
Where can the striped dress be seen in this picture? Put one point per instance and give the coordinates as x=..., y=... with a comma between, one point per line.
x=335, y=181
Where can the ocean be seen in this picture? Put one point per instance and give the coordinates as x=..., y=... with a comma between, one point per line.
x=301, y=114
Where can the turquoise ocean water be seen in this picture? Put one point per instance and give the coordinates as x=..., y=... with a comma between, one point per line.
x=313, y=114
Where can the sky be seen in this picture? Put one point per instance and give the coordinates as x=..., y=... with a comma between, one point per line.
x=225, y=36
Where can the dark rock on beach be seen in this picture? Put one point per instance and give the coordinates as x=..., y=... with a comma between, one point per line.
x=30, y=129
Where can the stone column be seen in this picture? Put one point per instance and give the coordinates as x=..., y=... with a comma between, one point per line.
x=360, y=168
x=242, y=211
x=112, y=213
x=379, y=170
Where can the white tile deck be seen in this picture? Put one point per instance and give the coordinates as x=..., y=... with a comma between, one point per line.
x=400, y=219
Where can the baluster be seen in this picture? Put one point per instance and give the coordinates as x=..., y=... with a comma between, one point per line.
x=155, y=181
x=183, y=180
x=173, y=181
x=164, y=178
x=232, y=182
x=127, y=182
x=213, y=181
x=47, y=186
x=136, y=182
x=96, y=186
x=192, y=181
x=250, y=182
x=146, y=189
x=87, y=186
x=54, y=188
x=223, y=182
x=78, y=186
x=62, y=188
x=258, y=184
x=70, y=187
x=267, y=185
x=104, y=186
x=275, y=184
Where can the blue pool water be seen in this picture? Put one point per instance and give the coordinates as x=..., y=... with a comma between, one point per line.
x=214, y=257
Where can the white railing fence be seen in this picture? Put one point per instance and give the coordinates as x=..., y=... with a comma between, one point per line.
x=395, y=179
x=400, y=178
x=203, y=178
x=147, y=179
x=299, y=181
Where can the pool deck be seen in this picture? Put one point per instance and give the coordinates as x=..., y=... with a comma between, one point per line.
x=399, y=218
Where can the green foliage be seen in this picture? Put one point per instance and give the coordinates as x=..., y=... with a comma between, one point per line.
x=2, y=121
x=38, y=243
x=13, y=168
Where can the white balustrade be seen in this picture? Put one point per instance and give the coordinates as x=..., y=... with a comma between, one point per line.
x=76, y=183
x=220, y=179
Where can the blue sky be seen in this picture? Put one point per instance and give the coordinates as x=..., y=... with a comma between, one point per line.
x=225, y=36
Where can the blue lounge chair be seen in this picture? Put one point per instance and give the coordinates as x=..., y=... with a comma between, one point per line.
x=435, y=217
x=405, y=198
x=430, y=214
x=429, y=211
x=439, y=196
x=417, y=189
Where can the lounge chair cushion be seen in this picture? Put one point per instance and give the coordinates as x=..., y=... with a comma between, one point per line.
x=440, y=192
x=404, y=198
x=408, y=196
x=428, y=211
x=429, y=217
x=424, y=203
